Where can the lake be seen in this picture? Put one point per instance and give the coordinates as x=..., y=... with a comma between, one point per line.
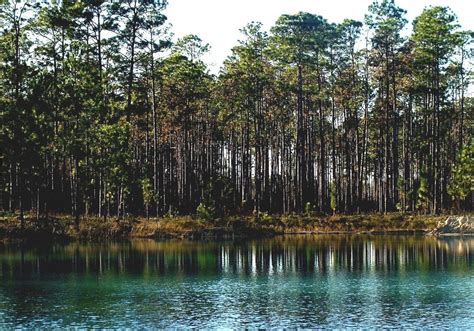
x=289, y=281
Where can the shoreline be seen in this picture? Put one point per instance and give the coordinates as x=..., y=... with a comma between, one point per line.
x=61, y=228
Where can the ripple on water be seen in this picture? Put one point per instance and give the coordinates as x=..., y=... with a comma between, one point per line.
x=305, y=282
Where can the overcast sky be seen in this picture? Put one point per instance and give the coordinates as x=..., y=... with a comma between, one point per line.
x=217, y=22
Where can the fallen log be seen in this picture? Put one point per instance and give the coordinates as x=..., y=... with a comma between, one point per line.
x=454, y=225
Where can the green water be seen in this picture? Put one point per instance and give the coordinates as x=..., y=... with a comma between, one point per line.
x=299, y=281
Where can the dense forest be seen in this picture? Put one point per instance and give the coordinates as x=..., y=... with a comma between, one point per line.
x=102, y=113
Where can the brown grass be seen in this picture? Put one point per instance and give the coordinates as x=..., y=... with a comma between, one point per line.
x=96, y=229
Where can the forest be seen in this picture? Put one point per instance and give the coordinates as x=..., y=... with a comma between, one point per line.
x=103, y=113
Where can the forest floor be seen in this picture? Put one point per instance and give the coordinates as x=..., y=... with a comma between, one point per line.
x=186, y=227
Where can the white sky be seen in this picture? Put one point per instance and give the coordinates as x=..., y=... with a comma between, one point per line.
x=217, y=22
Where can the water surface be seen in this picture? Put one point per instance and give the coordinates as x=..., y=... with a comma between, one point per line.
x=293, y=281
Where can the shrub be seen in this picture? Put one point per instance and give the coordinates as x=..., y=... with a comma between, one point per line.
x=309, y=209
x=205, y=212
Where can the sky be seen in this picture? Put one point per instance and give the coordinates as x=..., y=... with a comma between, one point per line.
x=217, y=22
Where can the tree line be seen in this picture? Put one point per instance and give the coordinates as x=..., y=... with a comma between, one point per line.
x=102, y=114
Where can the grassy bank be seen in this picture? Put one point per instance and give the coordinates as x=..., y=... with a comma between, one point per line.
x=96, y=229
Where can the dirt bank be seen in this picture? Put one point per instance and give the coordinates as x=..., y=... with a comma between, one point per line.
x=96, y=229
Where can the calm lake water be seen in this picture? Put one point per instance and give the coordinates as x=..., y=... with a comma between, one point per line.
x=293, y=281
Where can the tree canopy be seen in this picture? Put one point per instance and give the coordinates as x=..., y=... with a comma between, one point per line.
x=102, y=114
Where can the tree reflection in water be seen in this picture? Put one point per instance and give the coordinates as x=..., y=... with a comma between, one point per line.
x=303, y=281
